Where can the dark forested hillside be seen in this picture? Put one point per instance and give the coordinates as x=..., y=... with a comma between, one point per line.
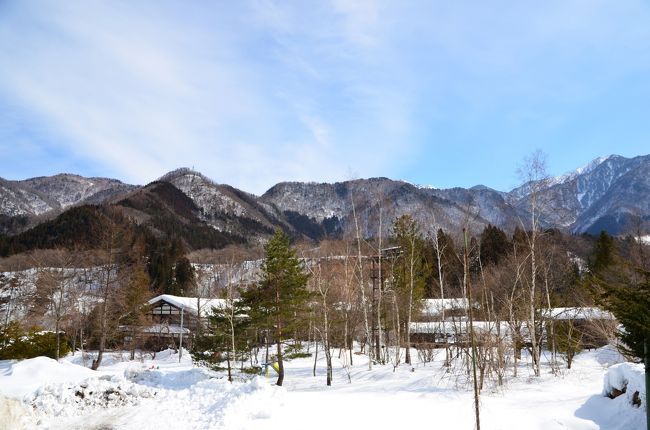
x=80, y=227
x=159, y=209
x=611, y=194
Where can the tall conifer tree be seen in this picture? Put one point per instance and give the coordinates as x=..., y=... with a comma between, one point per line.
x=281, y=295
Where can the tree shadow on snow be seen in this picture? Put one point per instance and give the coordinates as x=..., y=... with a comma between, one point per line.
x=596, y=409
x=611, y=414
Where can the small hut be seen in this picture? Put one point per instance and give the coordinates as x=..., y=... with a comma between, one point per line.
x=174, y=319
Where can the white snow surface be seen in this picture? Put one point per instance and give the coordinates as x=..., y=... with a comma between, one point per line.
x=434, y=307
x=629, y=378
x=160, y=392
x=578, y=313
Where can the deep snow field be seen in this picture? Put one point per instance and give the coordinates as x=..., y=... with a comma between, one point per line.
x=165, y=394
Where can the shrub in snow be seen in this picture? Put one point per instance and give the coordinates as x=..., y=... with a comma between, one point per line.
x=15, y=343
x=626, y=381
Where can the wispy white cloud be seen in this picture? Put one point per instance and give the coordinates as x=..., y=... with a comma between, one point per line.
x=144, y=88
x=259, y=91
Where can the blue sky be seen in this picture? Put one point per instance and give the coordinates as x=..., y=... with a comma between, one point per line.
x=255, y=92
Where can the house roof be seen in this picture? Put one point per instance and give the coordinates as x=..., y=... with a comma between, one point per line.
x=190, y=304
x=165, y=329
x=575, y=313
x=434, y=307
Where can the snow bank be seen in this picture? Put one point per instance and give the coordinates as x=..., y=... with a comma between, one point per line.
x=148, y=394
x=241, y=403
x=624, y=381
x=177, y=380
x=21, y=378
x=69, y=399
x=209, y=404
x=171, y=356
x=607, y=356
x=13, y=414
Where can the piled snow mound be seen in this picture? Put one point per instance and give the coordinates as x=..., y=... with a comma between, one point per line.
x=158, y=393
x=177, y=380
x=208, y=404
x=28, y=375
x=13, y=415
x=238, y=406
x=609, y=355
x=171, y=356
x=625, y=381
x=65, y=399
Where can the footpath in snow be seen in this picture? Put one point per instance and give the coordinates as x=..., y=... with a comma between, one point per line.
x=163, y=393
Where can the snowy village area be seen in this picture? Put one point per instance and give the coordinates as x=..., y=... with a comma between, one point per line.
x=334, y=214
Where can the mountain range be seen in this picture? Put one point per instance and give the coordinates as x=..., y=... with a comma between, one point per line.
x=610, y=193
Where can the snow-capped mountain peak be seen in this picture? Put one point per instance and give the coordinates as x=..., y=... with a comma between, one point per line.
x=587, y=168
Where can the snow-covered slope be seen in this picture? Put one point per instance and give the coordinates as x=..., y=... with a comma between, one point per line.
x=432, y=208
x=607, y=194
x=610, y=193
x=222, y=206
x=40, y=195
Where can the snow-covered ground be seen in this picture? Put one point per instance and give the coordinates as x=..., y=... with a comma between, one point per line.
x=163, y=393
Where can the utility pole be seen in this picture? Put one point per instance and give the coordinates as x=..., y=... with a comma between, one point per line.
x=374, y=274
x=180, y=342
x=646, y=360
x=471, y=330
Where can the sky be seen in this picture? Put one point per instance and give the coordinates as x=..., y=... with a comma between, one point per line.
x=255, y=92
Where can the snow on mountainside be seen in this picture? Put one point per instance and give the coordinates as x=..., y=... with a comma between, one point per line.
x=610, y=193
x=222, y=206
x=16, y=200
x=605, y=194
x=207, y=195
x=432, y=208
x=579, y=171
x=40, y=195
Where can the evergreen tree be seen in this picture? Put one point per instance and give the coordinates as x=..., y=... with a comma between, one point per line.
x=229, y=322
x=184, y=276
x=629, y=301
x=281, y=295
x=410, y=271
x=519, y=238
x=133, y=299
x=625, y=291
x=604, y=253
x=494, y=245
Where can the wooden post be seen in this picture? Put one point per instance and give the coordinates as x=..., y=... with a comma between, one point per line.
x=646, y=359
x=471, y=330
x=180, y=342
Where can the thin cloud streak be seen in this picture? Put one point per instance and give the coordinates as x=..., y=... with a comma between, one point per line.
x=256, y=92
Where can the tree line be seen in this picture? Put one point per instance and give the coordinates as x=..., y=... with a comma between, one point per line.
x=343, y=296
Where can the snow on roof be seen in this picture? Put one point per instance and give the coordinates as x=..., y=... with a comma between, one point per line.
x=190, y=304
x=165, y=329
x=575, y=313
x=459, y=327
x=434, y=307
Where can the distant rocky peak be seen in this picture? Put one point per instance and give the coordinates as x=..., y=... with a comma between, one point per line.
x=183, y=172
x=593, y=164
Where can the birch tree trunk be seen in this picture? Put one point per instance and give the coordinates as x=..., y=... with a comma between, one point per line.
x=362, y=286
